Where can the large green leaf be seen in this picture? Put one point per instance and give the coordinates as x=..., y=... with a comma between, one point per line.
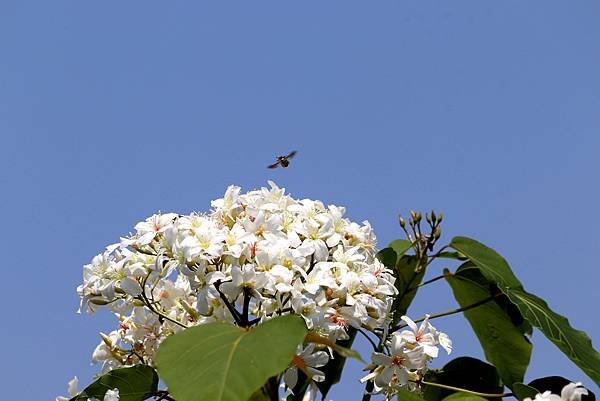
x=471, y=271
x=405, y=395
x=573, y=343
x=221, y=362
x=503, y=343
x=136, y=383
x=466, y=373
x=464, y=397
x=492, y=265
x=523, y=391
x=400, y=246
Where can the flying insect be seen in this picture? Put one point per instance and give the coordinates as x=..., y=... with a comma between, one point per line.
x=283, y=161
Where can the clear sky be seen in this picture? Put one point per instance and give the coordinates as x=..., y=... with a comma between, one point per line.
x=110, y=111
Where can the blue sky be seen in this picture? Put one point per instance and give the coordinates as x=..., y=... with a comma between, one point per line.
x=111, y=111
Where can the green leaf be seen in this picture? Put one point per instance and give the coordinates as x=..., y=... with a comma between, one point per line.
x=502, y=341
x=388, y=257
x=405, y=395
x=466, y=373
x=259, y=395
x=471, y=271
x=221, y=362
x=451, y=255
x=464, y=397
x=573, y=343
x=492, y=265
x=523, y=391
x=268, y=392
x=400, y=246
x=407, y=280
x=136, y=383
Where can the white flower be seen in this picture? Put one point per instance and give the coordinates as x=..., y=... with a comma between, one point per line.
x=244, y=278
x=426, y=337
x=229, y=202
x=147, y=230
x=286, y=255
x=72, y=390
x=131, y=286
x=573, y=392
x=110, y=395
x=393, y=370
x=307, y=360
x=570, y=392
x=545, y=396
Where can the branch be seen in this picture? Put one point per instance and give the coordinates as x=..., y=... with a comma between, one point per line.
x=234, y=312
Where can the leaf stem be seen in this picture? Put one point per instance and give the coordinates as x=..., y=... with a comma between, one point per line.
x=464, y=390
x=424, y=283
x=451, y=312
x=437, y=254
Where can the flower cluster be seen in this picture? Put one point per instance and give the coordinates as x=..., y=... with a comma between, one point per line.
x=255, y=255
x=409, y=352
x=570, y=392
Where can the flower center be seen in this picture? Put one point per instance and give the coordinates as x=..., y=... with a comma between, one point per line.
x=339, y=320
x=397, y=360
x=298, y=361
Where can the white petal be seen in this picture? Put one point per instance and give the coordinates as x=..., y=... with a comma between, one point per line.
x=112, y=395
x=291, y=377
x=410, y=323
x=319, y=358
x=131, y=287
x=381, y=359
x=73, y=386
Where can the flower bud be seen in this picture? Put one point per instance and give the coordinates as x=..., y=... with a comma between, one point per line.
x=191, y=311
x=413, y=215
x=401, y=221
x=99, y=301
x=107, y=340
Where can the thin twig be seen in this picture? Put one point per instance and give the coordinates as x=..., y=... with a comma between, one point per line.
x=464, y=390
x=234, y=312
x=368, y=338
x=450, y=312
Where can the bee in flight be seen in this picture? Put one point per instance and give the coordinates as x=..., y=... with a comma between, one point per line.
x=283, y=161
